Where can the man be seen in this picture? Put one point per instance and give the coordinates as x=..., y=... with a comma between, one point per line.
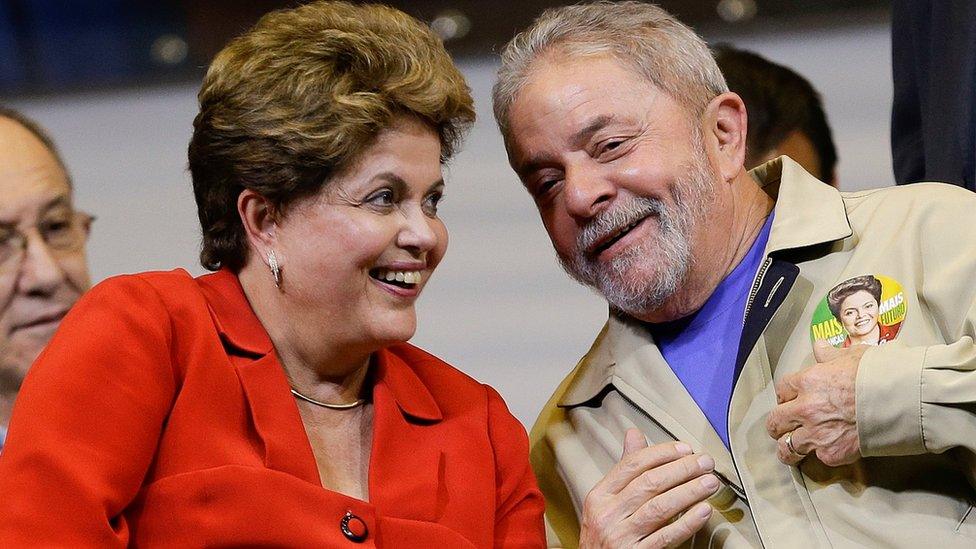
x=720, y=347
x=786, y=116
x=43, y=270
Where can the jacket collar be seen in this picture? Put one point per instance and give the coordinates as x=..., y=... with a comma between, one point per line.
x=408, y=391
x=808, y=212
x=241, y=330
x=236, y=323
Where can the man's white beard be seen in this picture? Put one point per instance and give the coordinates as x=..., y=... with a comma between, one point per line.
x=642, y=278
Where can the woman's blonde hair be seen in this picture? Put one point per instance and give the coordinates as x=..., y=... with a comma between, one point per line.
x=295, y=100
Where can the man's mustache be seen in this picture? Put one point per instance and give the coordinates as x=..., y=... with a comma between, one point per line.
x=613, y=220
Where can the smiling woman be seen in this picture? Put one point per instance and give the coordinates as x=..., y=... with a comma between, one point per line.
x=274, y=402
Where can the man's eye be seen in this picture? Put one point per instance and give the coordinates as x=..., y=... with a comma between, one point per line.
x=610, y=147
x=50, y=227
x=545, y=186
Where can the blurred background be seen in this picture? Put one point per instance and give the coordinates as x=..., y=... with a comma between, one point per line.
x=115, y=81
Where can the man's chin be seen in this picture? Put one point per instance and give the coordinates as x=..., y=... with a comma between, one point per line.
x=16, y=357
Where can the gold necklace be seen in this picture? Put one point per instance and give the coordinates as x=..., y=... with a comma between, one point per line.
x=329, y=405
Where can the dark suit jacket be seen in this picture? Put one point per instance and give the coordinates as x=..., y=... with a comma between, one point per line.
x=160, y=415
x=933, y=127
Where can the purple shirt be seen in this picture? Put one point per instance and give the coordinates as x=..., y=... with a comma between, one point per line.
x=701, y=348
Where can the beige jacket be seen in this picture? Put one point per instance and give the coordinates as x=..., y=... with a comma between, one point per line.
x=916, y=395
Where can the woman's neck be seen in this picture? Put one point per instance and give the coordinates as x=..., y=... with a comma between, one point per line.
x=316, y=365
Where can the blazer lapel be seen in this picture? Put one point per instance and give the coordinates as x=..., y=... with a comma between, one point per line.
x=406, y=467
x=276, y=418
x=273, y=410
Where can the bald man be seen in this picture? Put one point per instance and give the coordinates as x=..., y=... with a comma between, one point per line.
x=43, y=269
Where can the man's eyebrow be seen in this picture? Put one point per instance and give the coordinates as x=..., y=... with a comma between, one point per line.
x=580, y=138
x=56, y=202
x=577, y=141
x=59, y=201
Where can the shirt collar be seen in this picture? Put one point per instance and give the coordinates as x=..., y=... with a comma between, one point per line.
x=808, y=212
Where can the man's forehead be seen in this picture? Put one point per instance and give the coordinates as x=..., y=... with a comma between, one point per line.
x=26, y=208
x=31, y=178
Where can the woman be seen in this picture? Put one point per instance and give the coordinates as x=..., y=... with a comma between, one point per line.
x=274, y=402
x=854, y=303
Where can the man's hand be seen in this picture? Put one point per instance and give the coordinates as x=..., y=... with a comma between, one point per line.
x=640, y=502
x=816, y=409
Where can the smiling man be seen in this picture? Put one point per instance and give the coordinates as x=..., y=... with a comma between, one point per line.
x=719, y=406
x=43, y=270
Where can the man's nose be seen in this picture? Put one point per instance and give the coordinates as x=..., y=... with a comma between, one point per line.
x=40, y=271
x=587, y=192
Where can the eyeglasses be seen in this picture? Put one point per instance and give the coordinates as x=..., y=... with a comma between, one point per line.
x=61, y=234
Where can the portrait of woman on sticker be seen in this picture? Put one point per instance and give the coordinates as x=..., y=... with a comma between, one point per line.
x=856, y=305
x=275, y=402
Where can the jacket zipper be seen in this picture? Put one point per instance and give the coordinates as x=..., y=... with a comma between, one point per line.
x=755, y=287
x=738, y=492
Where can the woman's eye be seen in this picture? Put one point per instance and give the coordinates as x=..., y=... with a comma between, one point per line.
x=383, y=198
x=431, y=202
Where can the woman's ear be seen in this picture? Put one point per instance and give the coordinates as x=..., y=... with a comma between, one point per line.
x=725, y=125
x=258, y=216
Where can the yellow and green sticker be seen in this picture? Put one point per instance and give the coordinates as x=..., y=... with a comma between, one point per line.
x=866, y=309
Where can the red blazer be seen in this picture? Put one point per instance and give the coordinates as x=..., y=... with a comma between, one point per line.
x=160, y=415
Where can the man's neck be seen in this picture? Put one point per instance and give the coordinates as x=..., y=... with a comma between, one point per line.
x=722, y=241
x=6, y=406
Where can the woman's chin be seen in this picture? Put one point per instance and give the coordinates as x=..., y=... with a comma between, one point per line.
x=395, y=328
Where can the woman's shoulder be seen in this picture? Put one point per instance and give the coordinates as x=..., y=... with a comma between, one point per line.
x=448, y=385
x=432, y=370
x=162, y=281
x=455, y=393
x=151, y=294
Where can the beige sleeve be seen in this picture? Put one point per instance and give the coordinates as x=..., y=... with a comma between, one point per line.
x=914, y=400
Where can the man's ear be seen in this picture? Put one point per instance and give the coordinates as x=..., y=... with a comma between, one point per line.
x=259, y=218
x=725, y=123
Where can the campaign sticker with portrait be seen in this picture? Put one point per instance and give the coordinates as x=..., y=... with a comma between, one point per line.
x=867, y=309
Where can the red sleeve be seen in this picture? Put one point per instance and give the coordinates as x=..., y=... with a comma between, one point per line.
x=518, y=504
x=86, y=422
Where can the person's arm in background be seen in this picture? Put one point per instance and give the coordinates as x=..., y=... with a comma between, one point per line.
x=933, y=114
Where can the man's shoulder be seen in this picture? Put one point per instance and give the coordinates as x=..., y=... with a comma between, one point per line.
x=942, y=195
x=918, y=207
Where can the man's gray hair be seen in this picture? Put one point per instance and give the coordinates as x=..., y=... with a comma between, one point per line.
x=666, y=52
